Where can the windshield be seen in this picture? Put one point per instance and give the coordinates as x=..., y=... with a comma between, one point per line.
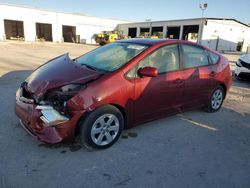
x=110, y=57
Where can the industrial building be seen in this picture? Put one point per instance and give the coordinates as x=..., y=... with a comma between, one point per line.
x=31, y=24
x=217, y=33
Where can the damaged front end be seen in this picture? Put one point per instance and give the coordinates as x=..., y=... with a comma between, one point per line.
x=48, y=118
x=54, y=104
x=42, y=101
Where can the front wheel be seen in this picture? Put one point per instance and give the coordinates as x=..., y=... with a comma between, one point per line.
x=101, y=128
x=216, y=99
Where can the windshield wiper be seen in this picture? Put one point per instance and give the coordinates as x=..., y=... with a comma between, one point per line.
x=88, y=66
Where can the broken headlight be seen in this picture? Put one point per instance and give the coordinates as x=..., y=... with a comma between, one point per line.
x=58, y=97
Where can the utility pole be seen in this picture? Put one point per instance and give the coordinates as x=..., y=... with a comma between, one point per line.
x=203, y=7
x=150, y=26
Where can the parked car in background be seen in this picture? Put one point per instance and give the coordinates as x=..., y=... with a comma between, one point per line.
x=117, y=86
x=242, y=68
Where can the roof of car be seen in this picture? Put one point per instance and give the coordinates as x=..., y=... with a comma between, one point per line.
x=151, y=42
x=146, y=41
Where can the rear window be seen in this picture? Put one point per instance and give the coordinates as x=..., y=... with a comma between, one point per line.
x=214, y=57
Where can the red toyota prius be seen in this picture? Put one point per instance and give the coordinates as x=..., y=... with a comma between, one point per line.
x=117, y=86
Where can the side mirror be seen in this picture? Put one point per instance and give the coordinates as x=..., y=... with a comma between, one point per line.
x=148, y=72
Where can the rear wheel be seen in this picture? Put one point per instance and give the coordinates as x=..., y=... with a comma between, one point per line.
x=101, y=128
x=236, y=76
x=216, y=99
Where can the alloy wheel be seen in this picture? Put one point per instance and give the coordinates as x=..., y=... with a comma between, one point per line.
x=105, y=129
x=217, y=99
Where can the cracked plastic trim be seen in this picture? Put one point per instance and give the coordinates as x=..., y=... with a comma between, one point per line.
x=50, y=116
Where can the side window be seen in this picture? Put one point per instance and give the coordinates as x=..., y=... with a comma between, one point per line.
x=164, y=59
x=194, y=56
x=214, y=57
x=131, y=74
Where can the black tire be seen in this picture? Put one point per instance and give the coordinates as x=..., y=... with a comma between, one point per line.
x=102, y=43
x=212, y=107
x=88, y=139
x=236, y=77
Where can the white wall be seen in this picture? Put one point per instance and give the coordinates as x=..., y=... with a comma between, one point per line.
x=86, y=26
x=229, y=33
x=2, y=35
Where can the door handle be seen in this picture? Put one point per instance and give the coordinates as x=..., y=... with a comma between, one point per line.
x=178, y=81
x=212, y=74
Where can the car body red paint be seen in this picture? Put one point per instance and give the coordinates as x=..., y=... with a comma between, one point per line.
x=139, y=99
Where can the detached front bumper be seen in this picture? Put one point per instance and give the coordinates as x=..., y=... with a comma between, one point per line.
x=32, y=120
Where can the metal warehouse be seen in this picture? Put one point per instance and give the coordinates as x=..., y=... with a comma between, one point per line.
x=216, y=33
x=31, y=24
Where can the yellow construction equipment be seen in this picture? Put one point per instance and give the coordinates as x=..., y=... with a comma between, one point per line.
x=109, y=36
x=155, y=35
x=144, y=35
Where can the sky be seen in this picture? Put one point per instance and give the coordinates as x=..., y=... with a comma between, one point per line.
x=136, y=10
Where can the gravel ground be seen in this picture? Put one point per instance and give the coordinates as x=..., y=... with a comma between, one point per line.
x=29, y=55
x=193, y=149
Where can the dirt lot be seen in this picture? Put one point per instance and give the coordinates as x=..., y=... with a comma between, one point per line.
x=27, y=56
x=193, y=149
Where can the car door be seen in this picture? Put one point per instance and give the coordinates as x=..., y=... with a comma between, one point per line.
x=198, y=75
x=163, y=94
x=213, y=68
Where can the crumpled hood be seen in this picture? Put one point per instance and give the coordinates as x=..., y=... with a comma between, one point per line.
x=245, y=58
x=58, y=72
